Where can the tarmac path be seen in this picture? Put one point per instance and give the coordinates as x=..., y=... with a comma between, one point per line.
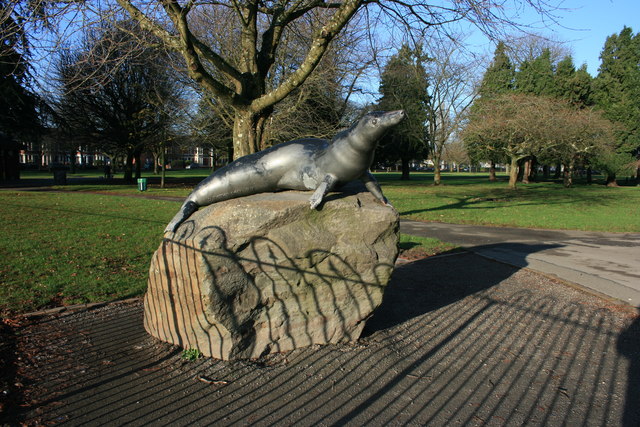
x=608, y=263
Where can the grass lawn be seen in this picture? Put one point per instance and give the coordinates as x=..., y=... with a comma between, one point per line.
x=414, y=247
x=465, y=198
x=471, y=199
x=79, y=246
x=60, y=248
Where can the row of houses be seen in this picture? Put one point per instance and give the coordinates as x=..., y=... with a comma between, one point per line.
x=47, y=154
x=34, y=155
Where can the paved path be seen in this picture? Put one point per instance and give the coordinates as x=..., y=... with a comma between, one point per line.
x=458, y=340
x=608, y=263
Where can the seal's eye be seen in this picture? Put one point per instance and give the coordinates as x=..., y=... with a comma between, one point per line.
x=374, y=122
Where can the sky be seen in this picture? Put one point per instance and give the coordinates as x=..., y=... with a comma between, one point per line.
x=585, y=25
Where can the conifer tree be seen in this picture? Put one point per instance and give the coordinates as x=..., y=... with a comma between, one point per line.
x=571, y=84
x=497, y=80
x=404, y=87
x=617, y=86
x=536, y=77
x=499, y=77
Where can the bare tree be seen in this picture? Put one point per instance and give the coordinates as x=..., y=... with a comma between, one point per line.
x=115, y=94
x=452, y=74
x=239, y=80
x=515, y=126
x=519, y=126
x=582, y=135
x=526, y=47
x=456, y=153
x=320, y=106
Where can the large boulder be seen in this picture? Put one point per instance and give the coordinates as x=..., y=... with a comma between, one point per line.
x=264, y=274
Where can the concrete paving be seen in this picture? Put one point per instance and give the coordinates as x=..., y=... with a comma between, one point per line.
x=608, y=263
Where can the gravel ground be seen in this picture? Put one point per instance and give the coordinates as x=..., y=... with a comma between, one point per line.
x=458, y=340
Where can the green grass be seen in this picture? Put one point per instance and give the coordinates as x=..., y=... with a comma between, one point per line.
x=61, y=248
x=181, y=174
x=472, y=199
x=79, y=246
x=420, y=247
x=176, y=190
x=179, y=182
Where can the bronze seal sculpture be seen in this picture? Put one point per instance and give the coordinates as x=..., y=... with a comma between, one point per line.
x=302, y=164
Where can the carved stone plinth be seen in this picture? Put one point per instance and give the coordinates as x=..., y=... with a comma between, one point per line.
x=265, y=273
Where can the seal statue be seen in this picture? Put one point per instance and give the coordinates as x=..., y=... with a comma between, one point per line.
x=302, y=164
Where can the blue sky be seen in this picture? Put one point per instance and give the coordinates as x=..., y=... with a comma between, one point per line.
x=589, y=24
x=585, y=25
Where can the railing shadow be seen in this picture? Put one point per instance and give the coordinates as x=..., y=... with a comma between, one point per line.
x=457, y=339
x=262, y=296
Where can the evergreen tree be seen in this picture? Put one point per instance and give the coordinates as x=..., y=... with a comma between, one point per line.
x=404, y=87
x=581, y=93
x=19, y=110
x=499, y=77
x=573, y=85
x=536, y=77
x=565, y=72
x=497, y=80
x=617, y=86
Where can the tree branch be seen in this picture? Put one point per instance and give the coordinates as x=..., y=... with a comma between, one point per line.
x=319, y=46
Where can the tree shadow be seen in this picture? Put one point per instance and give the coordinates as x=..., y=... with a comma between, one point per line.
x=629, y=346
x=498, y=196
x=417, y=288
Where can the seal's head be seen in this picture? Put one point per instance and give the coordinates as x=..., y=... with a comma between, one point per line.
x=373, y=126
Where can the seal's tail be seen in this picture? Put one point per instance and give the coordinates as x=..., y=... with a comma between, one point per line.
x=185, y=212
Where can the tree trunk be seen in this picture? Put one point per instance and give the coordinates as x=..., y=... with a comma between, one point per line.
x=163, y=169
x=229, y=152
x=568, y=175
x=589, y=175
x=437, y=173
x=492, y=171
x=138, y=163
x=520, y=170
x=72, y=161
x=533, y=166
x=526, y=172
x=248, y=129
x=513, y=173
x=156, y=162
x=405, y=170
x=128, y=167
x=556, y=175
x=611, y=180
x=545, y=171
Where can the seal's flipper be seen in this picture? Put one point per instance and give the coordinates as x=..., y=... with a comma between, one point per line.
x=327, y=184
x=185, y=212
x=372, y=185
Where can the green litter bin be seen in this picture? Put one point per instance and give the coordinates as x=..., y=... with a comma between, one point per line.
x=142, y=184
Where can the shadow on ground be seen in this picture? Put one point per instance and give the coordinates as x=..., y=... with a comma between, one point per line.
x=458, y=340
